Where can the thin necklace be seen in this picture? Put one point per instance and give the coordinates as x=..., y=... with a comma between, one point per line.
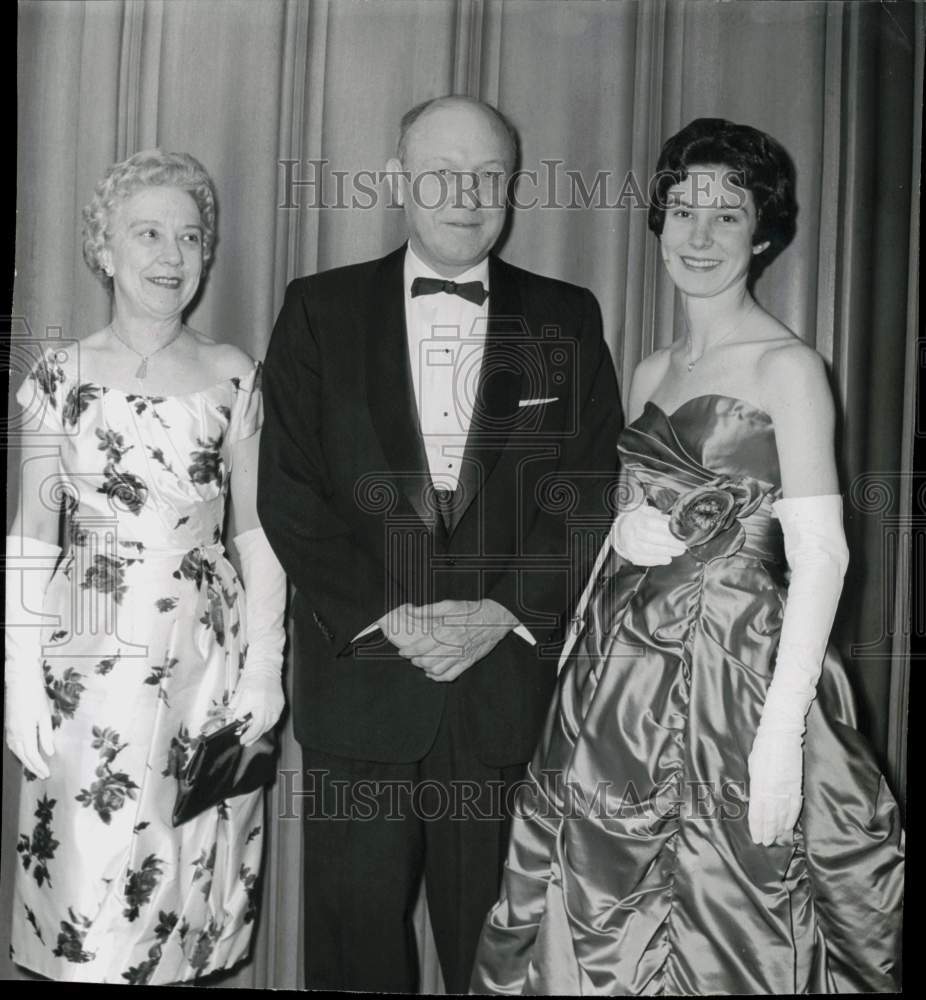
x=693, y=361
x=141, y=372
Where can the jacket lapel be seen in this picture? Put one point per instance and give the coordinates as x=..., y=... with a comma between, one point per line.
x=496, y=406
x=390, y=392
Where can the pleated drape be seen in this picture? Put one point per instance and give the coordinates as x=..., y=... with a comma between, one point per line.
x=281, y=97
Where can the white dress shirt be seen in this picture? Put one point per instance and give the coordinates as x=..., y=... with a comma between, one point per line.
x=446, y=341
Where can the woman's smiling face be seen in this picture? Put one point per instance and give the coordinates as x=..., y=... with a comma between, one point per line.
x=155, y=252
x=707, y=235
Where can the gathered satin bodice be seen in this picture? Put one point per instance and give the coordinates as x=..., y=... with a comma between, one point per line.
x=705, y=444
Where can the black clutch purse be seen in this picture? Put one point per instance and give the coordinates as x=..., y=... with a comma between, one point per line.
x=220, y=768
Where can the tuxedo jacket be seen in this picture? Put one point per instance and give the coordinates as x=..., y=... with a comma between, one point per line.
x=346, y=500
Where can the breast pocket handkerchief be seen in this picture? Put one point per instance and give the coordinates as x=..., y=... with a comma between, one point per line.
x=537, y=402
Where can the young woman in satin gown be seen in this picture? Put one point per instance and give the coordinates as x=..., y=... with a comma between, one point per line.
x=702, y=816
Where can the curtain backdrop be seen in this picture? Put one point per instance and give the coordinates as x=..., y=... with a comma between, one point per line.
x=594, y=88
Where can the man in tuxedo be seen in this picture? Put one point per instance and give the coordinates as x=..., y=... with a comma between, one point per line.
x=440, y=431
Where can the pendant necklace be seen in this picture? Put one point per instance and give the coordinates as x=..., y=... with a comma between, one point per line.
x=141, y=371
x=693, y=361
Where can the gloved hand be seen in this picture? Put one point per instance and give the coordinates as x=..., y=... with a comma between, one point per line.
x=776, y=769
x=815, y=546
x=27, y=722
x=642, y=537
x=259, y=692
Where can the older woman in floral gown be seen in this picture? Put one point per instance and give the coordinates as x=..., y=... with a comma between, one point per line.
x=136, y=634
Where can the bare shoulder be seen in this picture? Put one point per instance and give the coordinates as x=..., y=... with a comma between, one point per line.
x=648, y=374
x=89, y=357
x=652, y=369
x=799, y=400
x=220, y=359
x=97, y=340
x=790, y=358
x=793, y=377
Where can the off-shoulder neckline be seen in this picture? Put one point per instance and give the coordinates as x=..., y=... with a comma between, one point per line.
x=174, y=395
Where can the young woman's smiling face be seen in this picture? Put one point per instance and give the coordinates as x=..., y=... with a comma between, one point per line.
x=707, y=234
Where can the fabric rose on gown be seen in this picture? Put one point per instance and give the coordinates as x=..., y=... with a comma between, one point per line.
x=707, y=518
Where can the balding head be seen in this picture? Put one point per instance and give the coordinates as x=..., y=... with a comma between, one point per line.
x=493, y=116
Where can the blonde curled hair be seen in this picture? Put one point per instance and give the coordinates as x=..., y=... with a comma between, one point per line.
x=147, y=168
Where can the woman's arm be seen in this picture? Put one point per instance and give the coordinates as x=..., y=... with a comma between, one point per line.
x=243, y=511
x=36, y=517
x=815, y=546
x=31, y=553
x=798, y=399
x=259, y=692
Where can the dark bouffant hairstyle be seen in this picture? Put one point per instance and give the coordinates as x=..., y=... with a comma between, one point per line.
x=759, y=162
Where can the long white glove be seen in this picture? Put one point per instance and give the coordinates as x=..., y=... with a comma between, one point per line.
x=815, y=546
x=30, y=564
x=259, y=691
x=642, y=537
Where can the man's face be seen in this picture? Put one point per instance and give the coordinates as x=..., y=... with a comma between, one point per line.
x=457, y=159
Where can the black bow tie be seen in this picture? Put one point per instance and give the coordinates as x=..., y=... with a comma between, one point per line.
x=472, y=291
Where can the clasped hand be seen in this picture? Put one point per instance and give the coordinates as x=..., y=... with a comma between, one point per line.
x=447, y=638
x=641, y=535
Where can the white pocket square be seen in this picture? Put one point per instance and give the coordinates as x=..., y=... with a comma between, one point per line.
x=537, y=402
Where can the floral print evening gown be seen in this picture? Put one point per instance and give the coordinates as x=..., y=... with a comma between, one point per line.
x=144, y=652
x=631, y=869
